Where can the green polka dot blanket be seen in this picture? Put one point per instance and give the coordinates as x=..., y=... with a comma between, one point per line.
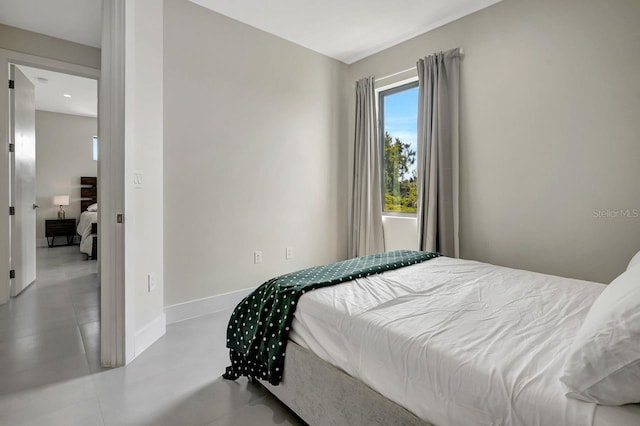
x=259, y=326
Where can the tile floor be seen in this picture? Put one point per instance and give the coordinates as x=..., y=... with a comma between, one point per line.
x=50, y=371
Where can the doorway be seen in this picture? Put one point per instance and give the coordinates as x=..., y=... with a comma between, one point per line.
x=116, y=327
x=54, y=166
x=87, y=306
x=54, y=129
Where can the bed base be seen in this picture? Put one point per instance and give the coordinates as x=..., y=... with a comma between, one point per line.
x=321, y=394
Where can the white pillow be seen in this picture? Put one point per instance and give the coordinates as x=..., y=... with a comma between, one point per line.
x=635, y=260
x=604, y=361
x=93, y=207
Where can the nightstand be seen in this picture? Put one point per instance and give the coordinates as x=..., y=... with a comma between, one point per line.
x=60, y=228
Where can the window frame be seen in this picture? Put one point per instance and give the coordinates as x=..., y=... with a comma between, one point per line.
x=390, y=89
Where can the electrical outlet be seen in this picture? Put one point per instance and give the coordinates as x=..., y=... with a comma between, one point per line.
x=151, y=282
x=288, y=253
x=257, y=257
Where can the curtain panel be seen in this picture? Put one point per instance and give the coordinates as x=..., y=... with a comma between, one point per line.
x=366, y=213
x=438, y=144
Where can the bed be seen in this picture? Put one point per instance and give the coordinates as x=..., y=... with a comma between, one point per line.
x=444, y=342
x=88, y=224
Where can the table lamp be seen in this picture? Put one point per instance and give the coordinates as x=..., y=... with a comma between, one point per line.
x=61, y=200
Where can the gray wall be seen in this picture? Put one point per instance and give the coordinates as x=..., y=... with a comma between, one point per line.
x=19, y=40
x=254, y=154
x=258, y=134
x=550, y=131
x=64, y=153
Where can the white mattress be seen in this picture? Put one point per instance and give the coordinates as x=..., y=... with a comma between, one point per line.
x=84, y=229
x=458, y=342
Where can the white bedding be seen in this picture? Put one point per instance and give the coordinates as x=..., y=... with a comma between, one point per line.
x=84, y=230
x=458, y=342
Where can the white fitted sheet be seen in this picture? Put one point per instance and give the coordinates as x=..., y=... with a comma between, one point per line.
x=458, y=342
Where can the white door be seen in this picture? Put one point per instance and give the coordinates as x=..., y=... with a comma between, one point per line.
x=23, y=182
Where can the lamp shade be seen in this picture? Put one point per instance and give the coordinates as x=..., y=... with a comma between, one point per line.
x=61, y=200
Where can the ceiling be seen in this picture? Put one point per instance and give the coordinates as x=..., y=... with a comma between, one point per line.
x=75, y=20
x=50, y=94
x=347, y=30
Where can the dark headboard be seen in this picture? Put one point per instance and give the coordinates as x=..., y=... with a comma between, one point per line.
x=88, y=191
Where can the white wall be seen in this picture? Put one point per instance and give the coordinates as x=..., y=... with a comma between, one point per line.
x=400, y=233
x=64, y=153
x=144, y=153
x=549, y=131
x=19, y=40
x=254, y=155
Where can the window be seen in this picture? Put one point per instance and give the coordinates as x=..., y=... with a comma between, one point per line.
x=95, y=148
x=398, y=112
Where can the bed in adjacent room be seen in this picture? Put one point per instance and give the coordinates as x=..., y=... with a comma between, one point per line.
x=451, y=342
x=88, y=224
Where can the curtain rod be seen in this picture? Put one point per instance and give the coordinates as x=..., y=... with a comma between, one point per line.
x=460, y=51
x=394, y=74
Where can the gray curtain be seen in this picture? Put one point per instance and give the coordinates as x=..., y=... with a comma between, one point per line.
x=438, y=138
x=366, y=215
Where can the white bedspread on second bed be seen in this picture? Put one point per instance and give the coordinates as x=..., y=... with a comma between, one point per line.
x=456, y=342
x=84, y=229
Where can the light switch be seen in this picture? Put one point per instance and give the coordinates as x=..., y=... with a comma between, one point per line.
x=151, y=282
x=138, y=179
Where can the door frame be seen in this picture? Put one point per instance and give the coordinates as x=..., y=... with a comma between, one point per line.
x=110, y=184
x=116, y=328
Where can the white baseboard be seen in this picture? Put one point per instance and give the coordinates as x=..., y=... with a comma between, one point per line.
x=208, y=305
x=150, y=333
